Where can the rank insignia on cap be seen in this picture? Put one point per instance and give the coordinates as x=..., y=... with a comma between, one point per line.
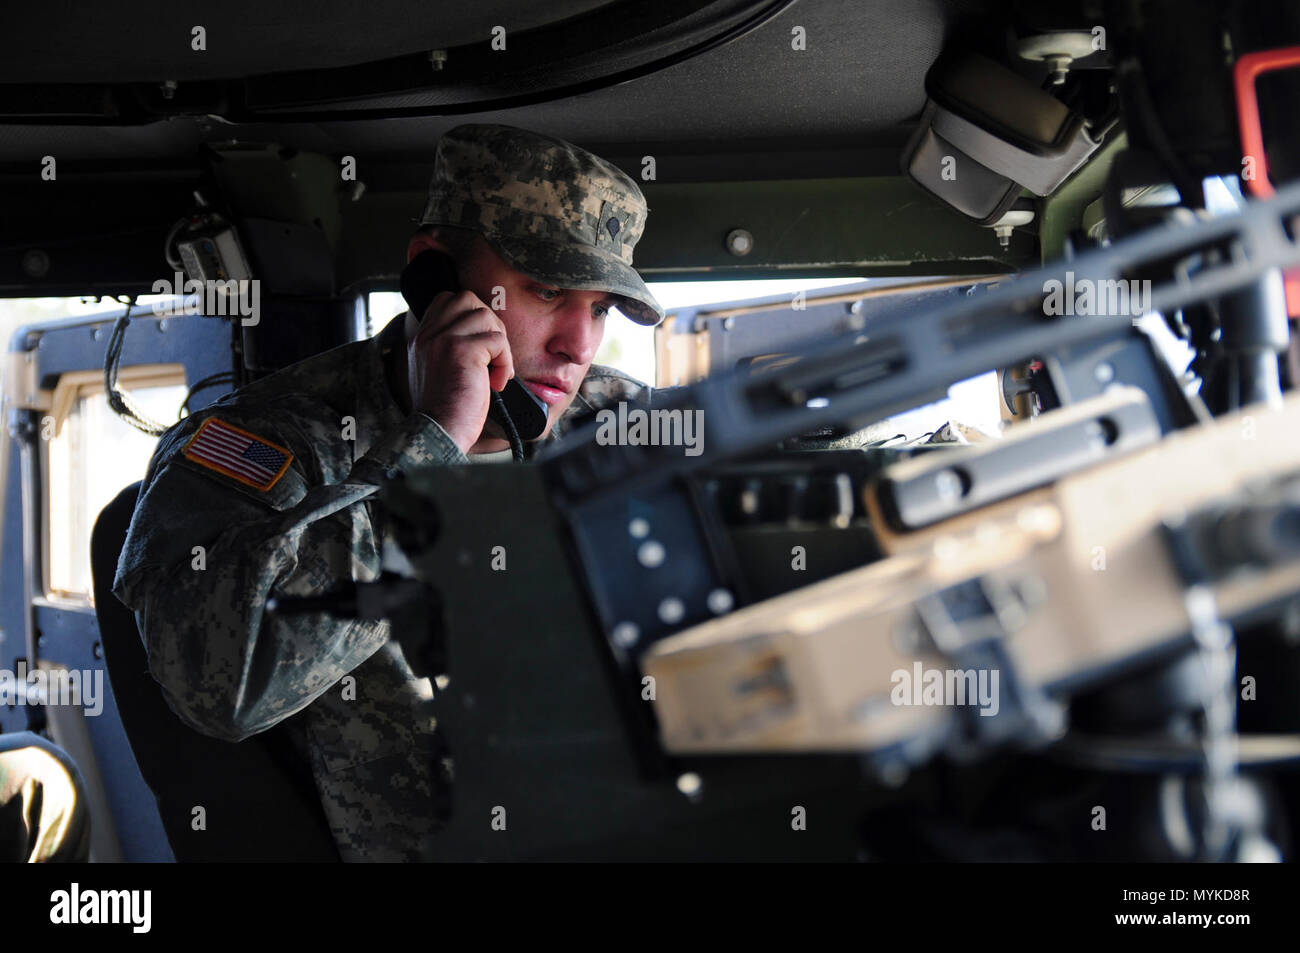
x=611, y=225
x=238, y=454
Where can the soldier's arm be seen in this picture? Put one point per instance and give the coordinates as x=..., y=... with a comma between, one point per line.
x=205, y=550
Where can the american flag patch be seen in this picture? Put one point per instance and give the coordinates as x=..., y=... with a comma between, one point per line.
x=238, y=454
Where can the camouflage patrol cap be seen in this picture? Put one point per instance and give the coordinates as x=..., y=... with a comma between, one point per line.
x=553, y=211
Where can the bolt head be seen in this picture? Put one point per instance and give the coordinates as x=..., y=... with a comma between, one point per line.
x=651, y=554
x=671, y=611
x=948, y=485
x=739, y=242
x=690, y=784
x=35, y=263
x=626, y=634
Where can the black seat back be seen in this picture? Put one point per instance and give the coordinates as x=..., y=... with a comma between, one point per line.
x=259, y=801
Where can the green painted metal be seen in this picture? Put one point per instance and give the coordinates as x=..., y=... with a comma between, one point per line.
x=873, y=226
x=1062, y=212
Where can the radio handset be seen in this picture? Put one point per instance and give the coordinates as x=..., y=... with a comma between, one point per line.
x=519, y=412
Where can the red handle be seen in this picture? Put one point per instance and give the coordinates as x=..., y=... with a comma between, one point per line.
x=1244, y=74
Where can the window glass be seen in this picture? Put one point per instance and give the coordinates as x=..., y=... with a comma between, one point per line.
x=89, y=461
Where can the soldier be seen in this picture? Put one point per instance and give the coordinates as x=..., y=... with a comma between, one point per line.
x=268, y=491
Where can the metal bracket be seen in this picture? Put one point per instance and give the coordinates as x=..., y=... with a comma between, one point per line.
x=968, y=625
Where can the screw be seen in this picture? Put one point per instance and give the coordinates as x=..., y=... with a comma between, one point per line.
x=739, y=242
x=948, y=485
x=35, y=263
x=1060, y=66
x=720, y=601
x=650, y=554
x=671, y=611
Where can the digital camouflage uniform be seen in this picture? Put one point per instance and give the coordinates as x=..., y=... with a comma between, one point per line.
x=230, y=670
x=43, y=814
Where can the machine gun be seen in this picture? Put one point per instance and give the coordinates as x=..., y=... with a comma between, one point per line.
x=625, y=669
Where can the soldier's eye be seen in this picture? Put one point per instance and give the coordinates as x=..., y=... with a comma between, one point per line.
x=601, y=310
x=546, y=294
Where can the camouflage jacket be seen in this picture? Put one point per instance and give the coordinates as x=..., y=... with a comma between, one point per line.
x=208, y=544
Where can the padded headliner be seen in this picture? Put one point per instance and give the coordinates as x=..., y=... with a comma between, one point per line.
x=858, y=84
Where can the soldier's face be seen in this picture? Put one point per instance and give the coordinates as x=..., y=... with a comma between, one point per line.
x=554, y=333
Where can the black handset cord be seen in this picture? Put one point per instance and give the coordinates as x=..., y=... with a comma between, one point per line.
x=516, y=445
x=119, y=400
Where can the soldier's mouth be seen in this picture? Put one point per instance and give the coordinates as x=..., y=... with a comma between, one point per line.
x=548, y=390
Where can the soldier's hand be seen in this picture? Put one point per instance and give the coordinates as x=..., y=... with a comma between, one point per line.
x=458, y=356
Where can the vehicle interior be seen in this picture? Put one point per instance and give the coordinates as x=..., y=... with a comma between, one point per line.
x=925, y=155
